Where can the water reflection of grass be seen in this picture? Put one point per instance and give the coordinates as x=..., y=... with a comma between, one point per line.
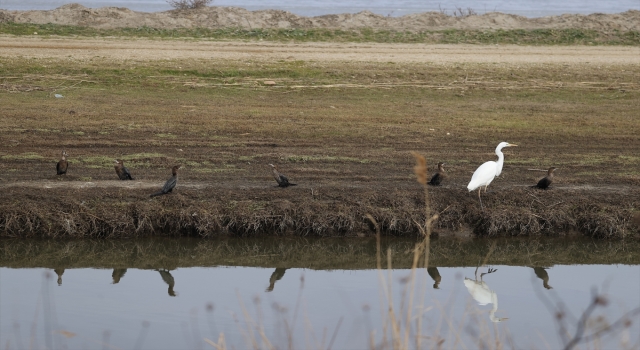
x=354, y=253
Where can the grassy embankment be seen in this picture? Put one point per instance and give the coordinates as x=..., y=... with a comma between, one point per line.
x=343, y=131
x=449, y=36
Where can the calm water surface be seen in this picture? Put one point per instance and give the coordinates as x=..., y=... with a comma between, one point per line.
x=176, y=305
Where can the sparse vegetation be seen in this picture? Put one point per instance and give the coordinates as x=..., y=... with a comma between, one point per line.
x=462, y=36
x=188, y=4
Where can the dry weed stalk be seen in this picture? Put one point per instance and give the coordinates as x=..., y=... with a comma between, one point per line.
x=400, y=326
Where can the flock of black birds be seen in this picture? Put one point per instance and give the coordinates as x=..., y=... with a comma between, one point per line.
x=124, y=174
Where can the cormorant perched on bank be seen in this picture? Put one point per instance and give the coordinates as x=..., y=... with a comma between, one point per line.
x=544, y=183
x=170, y=184
x=282, y=180
x=437, y=178
x=122, y=171
x=61, y=167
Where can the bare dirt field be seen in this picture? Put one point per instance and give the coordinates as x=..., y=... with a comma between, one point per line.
x=145, y=49
x=339, y=119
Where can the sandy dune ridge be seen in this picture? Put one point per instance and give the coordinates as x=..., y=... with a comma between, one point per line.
x=235, y=17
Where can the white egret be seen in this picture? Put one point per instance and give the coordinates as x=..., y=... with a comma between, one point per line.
x=488, y=171
x=481, y=293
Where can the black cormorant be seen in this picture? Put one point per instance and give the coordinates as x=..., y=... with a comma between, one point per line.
x=542, y=274
x=168, y=279
x=435, y=274
x=282, y=180
x=122, y=171
x=437, y=178
x=59, y=272
x=117, y=274
x=61, y=167
x=170, y=184
x=544, y=183
x=275, y=276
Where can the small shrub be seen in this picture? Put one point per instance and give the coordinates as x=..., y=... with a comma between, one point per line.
x=188, y=4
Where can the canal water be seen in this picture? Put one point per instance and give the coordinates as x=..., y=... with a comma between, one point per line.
x=298, y=293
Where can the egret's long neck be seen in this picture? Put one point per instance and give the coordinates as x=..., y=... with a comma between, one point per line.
x=500, y=161
x=494, y=301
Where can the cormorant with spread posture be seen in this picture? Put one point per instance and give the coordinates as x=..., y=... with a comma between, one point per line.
x=122, y=171
x=437, y=178
x=282, y=180
x=544, y=183
x=61, y=167
x=170, y=184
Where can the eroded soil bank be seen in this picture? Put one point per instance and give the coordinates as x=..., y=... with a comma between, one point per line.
x=324, y=210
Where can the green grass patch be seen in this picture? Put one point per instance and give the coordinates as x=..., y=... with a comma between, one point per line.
x=23, y=156
x=297, y=159
x=457, y=36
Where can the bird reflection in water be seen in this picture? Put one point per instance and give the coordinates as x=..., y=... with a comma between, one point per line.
x=117, y=274
x=542, y=274
x=275, y=276
x=481, y=293
x=59, y=272
x=168, y=279
x=433, y=272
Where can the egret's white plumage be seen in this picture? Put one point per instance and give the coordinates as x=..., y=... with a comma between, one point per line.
x=483, y=295
x=488, y=171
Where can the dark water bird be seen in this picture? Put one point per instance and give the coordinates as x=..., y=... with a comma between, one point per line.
x=542, y=274
x=170, y=184
x=122, y=171
x=544, y=183
x=117, y=274
x=275, y=276
x=437, y=178
x=168, y=279
x=63, y=165
x=59, y=272
x=435, y=274
x=282, y=180
x=488, y=171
